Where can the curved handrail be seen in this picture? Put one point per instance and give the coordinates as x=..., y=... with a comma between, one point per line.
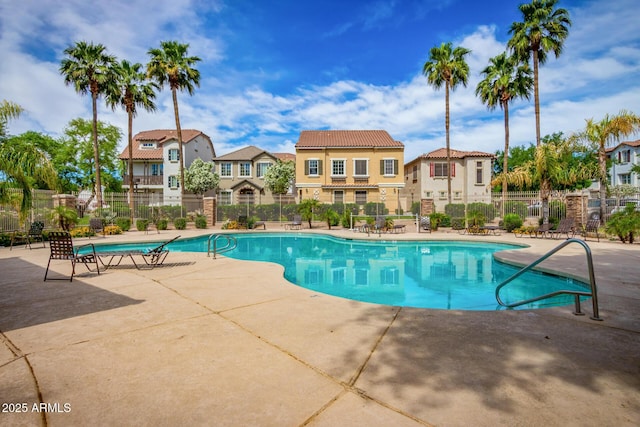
x=230, y=244
x=592, y=281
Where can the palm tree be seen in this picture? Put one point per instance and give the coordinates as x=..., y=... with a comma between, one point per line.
x=446, y=66
x=544, y=29
x=505, y=79
x=608, y=131
x=90, y=70
x=170, y=64
x=549, y=169
x=21, y=164
x=134, y=91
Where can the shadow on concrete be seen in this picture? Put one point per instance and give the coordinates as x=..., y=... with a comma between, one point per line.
x=27, y=300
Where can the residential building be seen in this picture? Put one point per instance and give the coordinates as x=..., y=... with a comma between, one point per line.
x=426, y=178
x=349, y=166
x=623, y=157
x=242, y=176
x=156, y=160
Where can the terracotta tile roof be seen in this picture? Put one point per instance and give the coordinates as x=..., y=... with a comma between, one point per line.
x=350, y=186
x=441, y=153
x=285, y=156
x=159, y=135
x=628, y=143
x=346, y=139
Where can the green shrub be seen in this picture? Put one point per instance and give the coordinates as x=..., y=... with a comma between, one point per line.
x=332, y=217
x=457, y=223
x=82, y=232
x=162, y=224
x=415, y=208
x=455, y=210
x=439, y=219
x=519, y=208
x=511, y=222
x=142, y=224
x=624, y=224
x=373, y=208
x=476, y=219
x=180, y=223
x=201, y=221
x=345, y=219
x=123, y=223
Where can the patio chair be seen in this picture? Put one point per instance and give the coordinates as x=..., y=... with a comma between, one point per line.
x=592, y=226
x=542, y=231
x=62, y=248
x=296, y=224
x=243, y=222
x=151, y=257
x=380, y=225
x=96, y=225
x=566, y=226
x=425, y=223
x=32, y=235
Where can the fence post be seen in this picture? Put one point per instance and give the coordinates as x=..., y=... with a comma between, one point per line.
x=209, y=208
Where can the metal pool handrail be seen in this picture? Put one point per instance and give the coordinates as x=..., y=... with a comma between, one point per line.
x=592, y=281
x=230, y=244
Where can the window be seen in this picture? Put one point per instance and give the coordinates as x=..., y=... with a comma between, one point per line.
x=337, y=168
x=225, y=170
x=624, y=156
x=338, y=196
x=261, y=169
x=625, y=178
x=361, y=167
x=147, y=145
x=157, y=169
x=389, y=167
x=313, y=167
x=173, y=181
x=225, y=197
x=174, y=155
x=389, y=276
x=439, y=169
x=313, y=276
x=361, y=197
x=442, y=194
x=415, y=173
x=479, y=173
x=245, y=169
x=457, y=195
x=338, y=276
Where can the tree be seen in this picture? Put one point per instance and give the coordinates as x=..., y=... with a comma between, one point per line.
x=89, y=69
x=607, y=131
x=543, y=29
x=171, y=65
x=446, y=66
x=74, y=157
x=200, y=178
x=549, y=169
x=306, y=208
x=21, y=164
x=133, y=91
x=279, y=178
x=505, y=79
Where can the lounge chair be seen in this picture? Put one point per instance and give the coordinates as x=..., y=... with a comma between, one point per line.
x=566, y=226
x=243, y=222
x=32, y=235
x=296, y=224
x=96, y=225
x=260, y=224
x=425, y=223
x=592, y=226
x=380, y=225
x=542, y=231
x=62, y=248
x=151, y=257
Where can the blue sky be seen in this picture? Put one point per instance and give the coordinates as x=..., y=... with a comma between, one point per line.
x=273, y=68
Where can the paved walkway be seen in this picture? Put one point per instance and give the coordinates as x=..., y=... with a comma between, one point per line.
x=227, y=342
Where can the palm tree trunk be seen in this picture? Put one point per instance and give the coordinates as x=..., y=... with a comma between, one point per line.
x=174, y=93
x=505, y=160
x=131, y=195
x=536, y=95
x=96, y=152
x=602, y=163
x=446, y=125
x=545, y=193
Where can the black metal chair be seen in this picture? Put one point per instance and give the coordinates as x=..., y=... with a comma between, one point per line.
x=34, y=234
x=62, y=248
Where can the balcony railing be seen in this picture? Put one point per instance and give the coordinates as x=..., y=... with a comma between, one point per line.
x=143, y=180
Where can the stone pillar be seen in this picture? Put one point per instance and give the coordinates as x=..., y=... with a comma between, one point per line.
x=209, y=208
x=427, y=207
x=577, y=208
x=67, y=200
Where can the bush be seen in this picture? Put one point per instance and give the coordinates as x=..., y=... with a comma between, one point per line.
x=112, y=230
x=455, y=210
x=511, y=222
x=373, y=208
x=332, y=217
x=162, y=224
x=201, y=221
x=180, y=223
x=123, y=223
x=624, y=224
x=457, y=223
x=439, y=220
x=142, y=224
x=415, y=208
x=82, y=232
x=346, y=219
x=476, y=219
x=487, y=209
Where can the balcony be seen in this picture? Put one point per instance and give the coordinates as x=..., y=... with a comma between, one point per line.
x=142, y=180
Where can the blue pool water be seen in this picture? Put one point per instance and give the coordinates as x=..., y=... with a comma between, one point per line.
x=426, y=274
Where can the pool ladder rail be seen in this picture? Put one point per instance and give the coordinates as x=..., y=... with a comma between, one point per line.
x=592, y=281
x=230, y=244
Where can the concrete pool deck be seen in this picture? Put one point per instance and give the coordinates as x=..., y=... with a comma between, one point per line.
x=225, y=342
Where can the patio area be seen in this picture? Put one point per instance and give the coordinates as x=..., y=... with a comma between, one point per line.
x=200, y=341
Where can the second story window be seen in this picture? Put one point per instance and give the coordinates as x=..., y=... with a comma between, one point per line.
x=479, y=173
x=156, y=169
x=261, y=169
x=389, y=167
x=313, y=167
x=174, y=155
x=439, y=169
x=361, y=167
x=245, y=169
x=337, y=168
x=624, y=156
x=174, y=182
x=225, y=170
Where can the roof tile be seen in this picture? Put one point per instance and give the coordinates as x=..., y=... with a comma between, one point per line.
x=310, y=139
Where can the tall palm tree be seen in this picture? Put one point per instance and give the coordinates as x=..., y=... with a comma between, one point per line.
x=89, y=69
x=170, y=64
x=21, y=164
x=505, y=79
x=446, y=66
x=549, y=169
x=543, y=29
x=133, y=91
x=608, y=131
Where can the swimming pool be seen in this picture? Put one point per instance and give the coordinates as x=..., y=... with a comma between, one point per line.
x=426, y=274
